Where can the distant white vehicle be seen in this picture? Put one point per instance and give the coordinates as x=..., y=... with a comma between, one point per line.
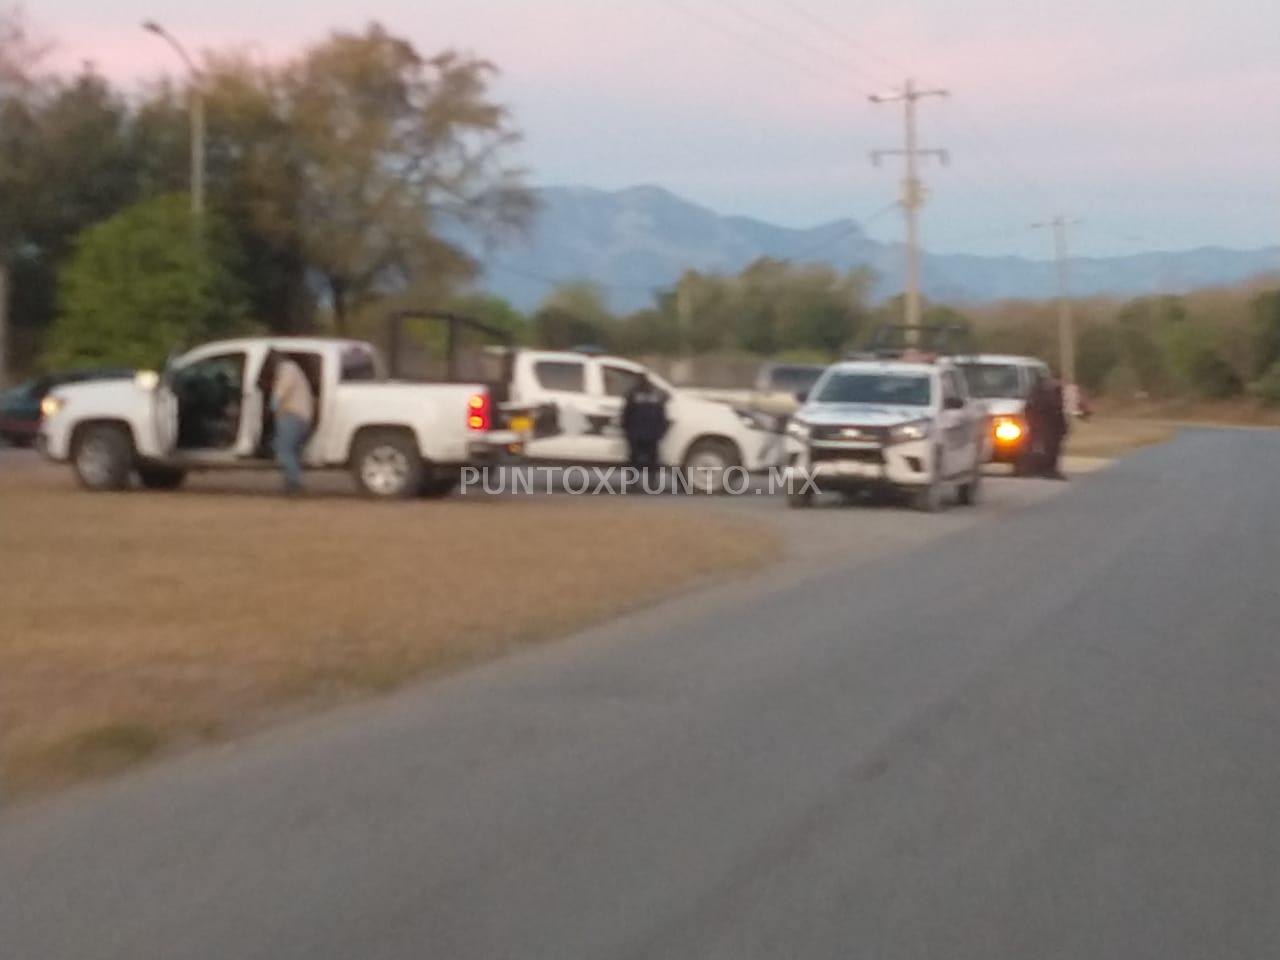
x=780, y=387
x=777, y=390
x=905, y=425
x=1004, y=382
x=207, y=411
x=580, y=398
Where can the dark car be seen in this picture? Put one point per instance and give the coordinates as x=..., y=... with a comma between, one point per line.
x=20, y=407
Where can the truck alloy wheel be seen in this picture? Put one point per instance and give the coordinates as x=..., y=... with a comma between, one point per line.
x=103, y=457
x=388, y=465
x=706, y=463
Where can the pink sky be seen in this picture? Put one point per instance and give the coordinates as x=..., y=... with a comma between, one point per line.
x=1154, y=120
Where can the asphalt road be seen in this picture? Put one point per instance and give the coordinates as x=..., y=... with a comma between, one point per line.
x=1049, y=736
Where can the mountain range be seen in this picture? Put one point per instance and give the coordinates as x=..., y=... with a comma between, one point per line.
x=637, y=241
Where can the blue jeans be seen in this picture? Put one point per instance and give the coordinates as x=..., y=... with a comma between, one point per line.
x=291, y=434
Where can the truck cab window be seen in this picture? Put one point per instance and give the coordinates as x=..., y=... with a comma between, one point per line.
x=359, y=366
x=620, y=381
x=561, y=376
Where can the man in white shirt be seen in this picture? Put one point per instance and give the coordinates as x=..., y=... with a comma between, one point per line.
x=293, y=406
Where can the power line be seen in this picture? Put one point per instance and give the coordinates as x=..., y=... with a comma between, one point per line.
x=858, y=226
x=955, y=244
x=1127, y=238
x=827, y=79
x=831, y=29
x=1015, y=212
x=1035, y=192
x=774, y=32
x=1033, y=189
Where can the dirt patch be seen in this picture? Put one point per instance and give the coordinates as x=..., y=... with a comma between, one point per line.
x=1104, y=437
x=132, y=623
x=1238, y=412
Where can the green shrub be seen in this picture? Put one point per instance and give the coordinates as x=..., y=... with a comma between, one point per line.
x=143, y=283
x=1122, y=383
x=1267, y=387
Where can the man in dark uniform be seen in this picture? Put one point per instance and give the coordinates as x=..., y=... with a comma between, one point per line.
x=1047, y=420
x=644, y=422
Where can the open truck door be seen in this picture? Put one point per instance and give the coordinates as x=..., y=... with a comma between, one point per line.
x=164, y=415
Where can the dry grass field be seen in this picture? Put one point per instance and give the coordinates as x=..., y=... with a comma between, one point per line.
x=1106, y=436
x=134, y=624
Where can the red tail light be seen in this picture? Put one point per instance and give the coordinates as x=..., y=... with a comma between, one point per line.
x=479, y=412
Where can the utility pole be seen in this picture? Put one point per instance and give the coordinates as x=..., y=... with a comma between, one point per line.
x=196, y=93
x=1066, y=323
x=912, y=190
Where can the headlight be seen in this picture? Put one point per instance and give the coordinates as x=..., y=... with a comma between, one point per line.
x=1008, y=430
x=798, y=430
x=146, y=379
x=50, y=405
x=907, y=432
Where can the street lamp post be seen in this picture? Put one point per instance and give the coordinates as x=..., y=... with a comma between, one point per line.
x=196, y=94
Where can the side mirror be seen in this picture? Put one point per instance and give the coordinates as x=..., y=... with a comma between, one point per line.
x=954, y=403
x=802, y=397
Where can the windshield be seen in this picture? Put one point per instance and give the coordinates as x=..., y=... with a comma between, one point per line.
x=988, y=380
x=898, y=389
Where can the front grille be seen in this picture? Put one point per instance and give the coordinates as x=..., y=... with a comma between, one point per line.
x=827, y=454
x=849, y=433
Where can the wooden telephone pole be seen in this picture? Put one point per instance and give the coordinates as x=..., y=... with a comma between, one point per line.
x=912, y=189
x=1066, y=322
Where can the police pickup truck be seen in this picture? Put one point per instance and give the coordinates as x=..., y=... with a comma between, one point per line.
x=575, y=401
x=905, y=424
x=208, y=410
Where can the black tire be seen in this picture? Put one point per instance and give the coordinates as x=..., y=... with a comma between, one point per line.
x=102, y=457
x=928, y=499
x=155, y=477
x=436, y=488
x=386, y=465
x=971, y=490
x=710, y=454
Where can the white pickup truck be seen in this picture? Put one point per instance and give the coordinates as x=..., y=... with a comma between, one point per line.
x=580, y=398
x=1004, y=383
x=899, y=424
x=207, y=410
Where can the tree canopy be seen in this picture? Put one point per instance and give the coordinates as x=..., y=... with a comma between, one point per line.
x=388, y=150
x=343, y=174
